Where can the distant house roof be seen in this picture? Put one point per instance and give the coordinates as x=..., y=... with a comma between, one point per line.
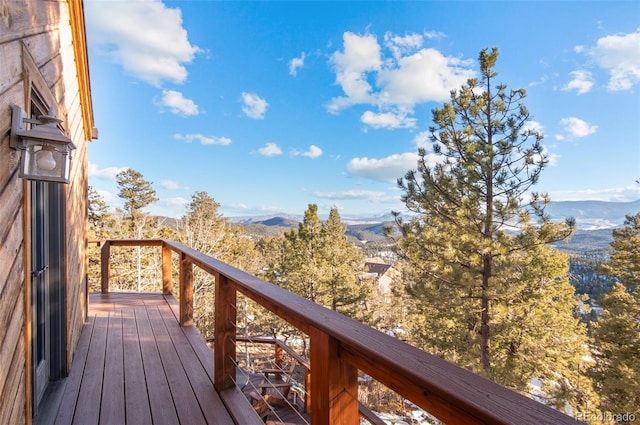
x=377, y=268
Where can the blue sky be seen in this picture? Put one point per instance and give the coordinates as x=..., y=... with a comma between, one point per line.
x=270, y=106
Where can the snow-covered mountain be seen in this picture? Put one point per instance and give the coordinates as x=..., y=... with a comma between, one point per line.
x=594, y=222
x=593, y=215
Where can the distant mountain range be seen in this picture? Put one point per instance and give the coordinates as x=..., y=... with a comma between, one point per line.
x=594, y=221
x=593, y=215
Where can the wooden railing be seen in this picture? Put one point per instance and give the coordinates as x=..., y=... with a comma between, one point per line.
x=339, y=348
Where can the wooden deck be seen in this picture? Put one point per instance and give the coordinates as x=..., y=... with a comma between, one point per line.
x=135, y=365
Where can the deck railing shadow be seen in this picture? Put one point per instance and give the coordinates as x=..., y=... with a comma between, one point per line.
x=339, y=347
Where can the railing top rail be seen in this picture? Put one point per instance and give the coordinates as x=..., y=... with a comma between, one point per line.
x=423, y=378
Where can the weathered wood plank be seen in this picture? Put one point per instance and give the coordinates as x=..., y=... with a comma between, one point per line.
x=138, y=410
x=10, y=65
x=20, y=21
x=10, y=388
x=74, y=380
x=160, y=400
x=18, y=411
x=184, y=399
x=13, y=338
x=112, y=407
x=11, y=283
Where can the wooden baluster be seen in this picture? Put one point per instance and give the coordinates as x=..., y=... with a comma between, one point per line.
x=334, y=383
x=224, y=350
x=186, y=291
x=167, y=283
x=105, y=265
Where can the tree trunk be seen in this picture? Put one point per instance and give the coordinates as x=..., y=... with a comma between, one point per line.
x=485, y=318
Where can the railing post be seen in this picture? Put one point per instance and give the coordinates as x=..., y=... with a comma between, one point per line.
x=224, y=349
x=186, y=291
x=334, y=383
x=307, y=390
x=167, y=283
x=105, y=266
x=278, y=359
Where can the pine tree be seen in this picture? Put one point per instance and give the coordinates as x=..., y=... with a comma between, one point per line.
x=617, y=333
x=98, y=214
x=137, y=194
x=320, y=264
x=479, y=266
x=617, y=342
x=624, y=263
x=346, y=291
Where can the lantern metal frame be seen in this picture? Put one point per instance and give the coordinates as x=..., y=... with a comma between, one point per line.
x=45, y=149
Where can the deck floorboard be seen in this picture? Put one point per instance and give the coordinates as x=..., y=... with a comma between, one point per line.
x=135, y=365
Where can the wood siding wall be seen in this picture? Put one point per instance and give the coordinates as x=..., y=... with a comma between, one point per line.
x=45, y=38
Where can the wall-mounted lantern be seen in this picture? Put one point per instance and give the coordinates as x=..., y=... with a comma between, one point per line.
x=45, y=150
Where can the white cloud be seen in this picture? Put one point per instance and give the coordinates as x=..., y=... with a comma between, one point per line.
x=171, y=185
x=386, y=170
x=254, y=106
x=108, y=197
x=178, y=201
x=533, y=126
x=407, y=75
x=402, y=45
x=178, y=104
x=423, y=140
x=204, y=140
x=434, y=35
x=425, y=76
x=361, y=55
x=368, y=195
x=620, y=56
x=270, y=149
x=312, y=152
x=295, y=64
x=576, y=128
x=146, y=37
x=169, y=207
x=582, y=82
x=108, y=173
x=388, y=120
